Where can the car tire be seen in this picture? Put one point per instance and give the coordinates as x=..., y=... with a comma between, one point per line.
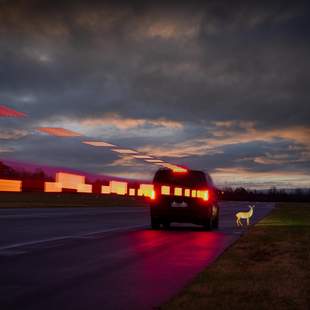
x=155, y=224
x=208, y=225
x=166, y=225
x=215, y=222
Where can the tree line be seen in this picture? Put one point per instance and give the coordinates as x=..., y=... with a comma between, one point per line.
x=7, y=172
x=273, y=194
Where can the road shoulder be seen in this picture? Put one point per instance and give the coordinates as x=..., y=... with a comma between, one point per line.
x=267, y=266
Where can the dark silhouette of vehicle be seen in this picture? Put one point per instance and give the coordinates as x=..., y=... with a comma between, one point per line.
x=184, y=197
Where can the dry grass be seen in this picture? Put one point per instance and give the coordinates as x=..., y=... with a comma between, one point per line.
x=268, y=268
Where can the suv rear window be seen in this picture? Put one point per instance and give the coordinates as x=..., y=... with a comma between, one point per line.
x=189, y=179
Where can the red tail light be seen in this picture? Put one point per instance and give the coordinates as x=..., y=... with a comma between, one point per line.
x=205, y=196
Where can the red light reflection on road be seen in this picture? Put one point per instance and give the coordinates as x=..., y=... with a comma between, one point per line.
x=186, y=251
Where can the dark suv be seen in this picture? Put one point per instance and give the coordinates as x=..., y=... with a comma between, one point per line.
x=184, y=197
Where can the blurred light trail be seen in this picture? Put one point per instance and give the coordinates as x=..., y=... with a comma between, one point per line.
x=52, y=187
x=62, y=132
x=142, y=156
x=99, y=143
x=7, y=112
x=146, y=190
x=125, y=151
x=10, y=185
x=105, y=189
x=132, y=192
x=58, y=132
x=73, y=182
x=173, y=167
x=119, y=188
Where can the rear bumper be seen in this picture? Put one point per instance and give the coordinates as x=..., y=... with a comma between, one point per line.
x=195, y=215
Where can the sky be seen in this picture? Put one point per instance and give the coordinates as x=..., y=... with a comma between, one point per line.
x=220, y=86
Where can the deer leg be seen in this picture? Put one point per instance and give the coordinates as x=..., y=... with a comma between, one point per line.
x=248, y=221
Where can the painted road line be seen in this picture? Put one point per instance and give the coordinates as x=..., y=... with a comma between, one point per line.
x=30, y=243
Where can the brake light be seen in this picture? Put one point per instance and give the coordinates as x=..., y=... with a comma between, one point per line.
x=205, y=196
x=165, y=190
x=179, y=169
x=187, y=192
x=178, y=191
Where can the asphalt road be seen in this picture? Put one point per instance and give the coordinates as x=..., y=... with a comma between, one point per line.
x=103, y=258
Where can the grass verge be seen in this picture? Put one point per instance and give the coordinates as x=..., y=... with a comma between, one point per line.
x=267, y=268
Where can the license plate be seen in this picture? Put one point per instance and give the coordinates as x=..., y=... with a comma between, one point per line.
x=182, y=204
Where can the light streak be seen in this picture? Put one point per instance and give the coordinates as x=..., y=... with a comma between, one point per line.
x=125, y=151
x=58, y=132
x=142, y=156
x=132, y=192
x=105, y=189
x=155, y=161
x=146, y=190
x=10, y=185
x=98, y=143
x=8, y=112
x=52, y=187
x=119, y=188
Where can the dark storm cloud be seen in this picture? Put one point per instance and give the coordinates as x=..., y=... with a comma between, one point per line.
x=237, y=56
x=194, y=63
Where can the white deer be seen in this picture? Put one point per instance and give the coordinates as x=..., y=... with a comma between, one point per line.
x=244, y=215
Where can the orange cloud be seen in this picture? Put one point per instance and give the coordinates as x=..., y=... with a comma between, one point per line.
x=297, y=134
x=128, y=123
x=224, y=134
x=179, y=150
x=248, y=178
